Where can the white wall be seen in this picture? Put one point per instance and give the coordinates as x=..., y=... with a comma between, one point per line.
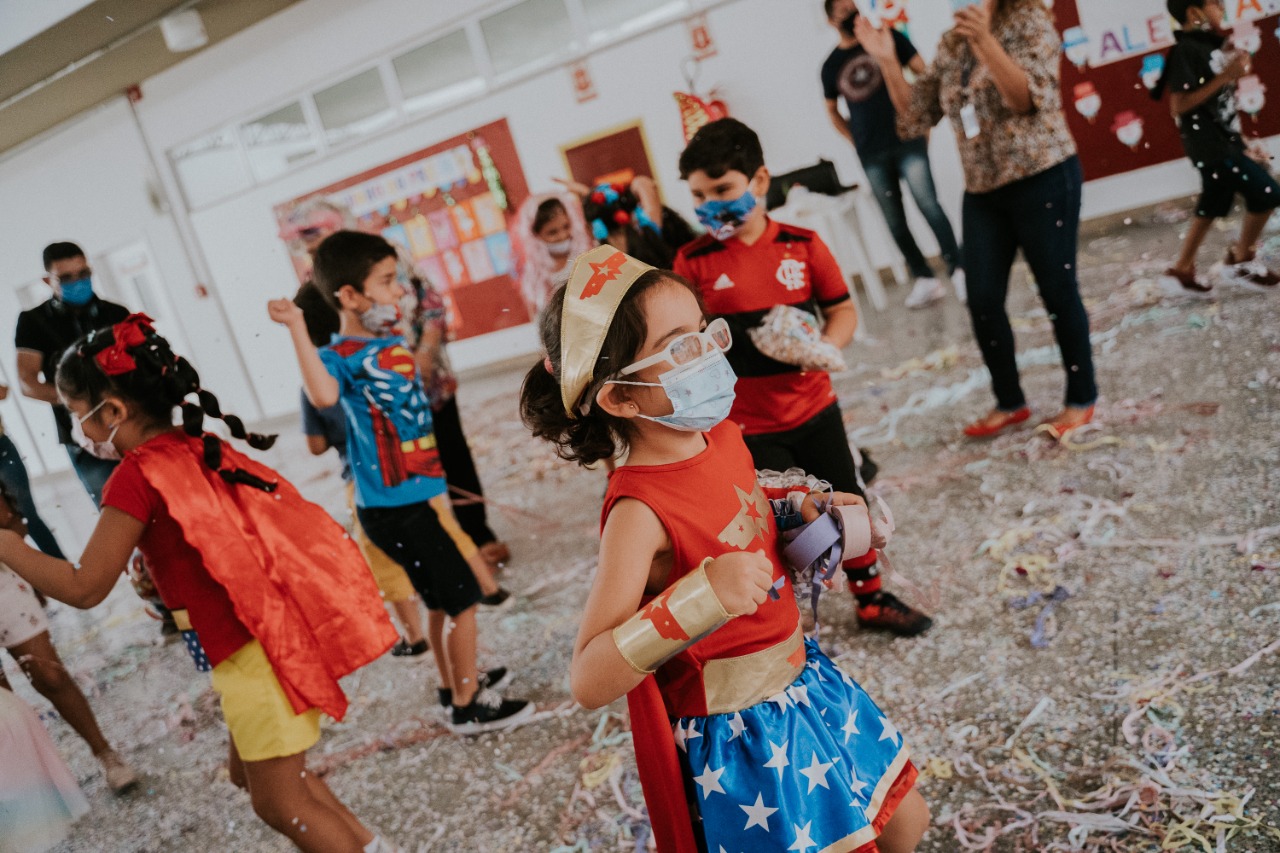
x=766, y=70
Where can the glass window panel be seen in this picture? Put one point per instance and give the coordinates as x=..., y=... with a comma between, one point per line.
x=622, y=15
x=354, y=107
x=210, y=167
x=436, y=71
x=277, y=140
x=528, y=32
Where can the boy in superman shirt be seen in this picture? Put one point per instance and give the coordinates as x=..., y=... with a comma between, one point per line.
x=745, y=265
x=392, y=451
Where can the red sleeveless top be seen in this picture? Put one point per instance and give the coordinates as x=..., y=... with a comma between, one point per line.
x=710, y=505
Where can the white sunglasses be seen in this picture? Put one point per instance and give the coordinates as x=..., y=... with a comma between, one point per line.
x=688, y=347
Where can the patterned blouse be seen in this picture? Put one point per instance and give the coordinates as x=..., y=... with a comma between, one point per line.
x=1009, y=146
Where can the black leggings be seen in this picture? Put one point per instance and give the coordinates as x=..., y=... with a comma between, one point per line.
x=1041, y=216
x=819, y=446
x=460, y=471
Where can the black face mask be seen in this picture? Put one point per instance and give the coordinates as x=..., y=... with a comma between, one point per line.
x=846, y=26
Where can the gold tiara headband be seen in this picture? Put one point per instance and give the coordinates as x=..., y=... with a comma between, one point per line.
x=600, y=278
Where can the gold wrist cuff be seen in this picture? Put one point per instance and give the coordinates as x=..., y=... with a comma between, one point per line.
x=682, y=615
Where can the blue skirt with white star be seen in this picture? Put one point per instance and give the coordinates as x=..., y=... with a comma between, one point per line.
x=816, y=767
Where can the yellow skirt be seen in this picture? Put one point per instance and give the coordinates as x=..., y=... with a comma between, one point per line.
x=258, y=714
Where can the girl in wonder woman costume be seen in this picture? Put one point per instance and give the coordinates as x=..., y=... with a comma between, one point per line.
x=281, y=600
x=747, y=737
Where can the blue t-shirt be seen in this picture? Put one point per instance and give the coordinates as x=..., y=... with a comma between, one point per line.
x=329, y=424
x=852, y=74
x=390, y=443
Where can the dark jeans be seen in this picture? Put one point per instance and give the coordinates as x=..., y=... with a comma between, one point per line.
x=819, y=446
x=92, y=471
x=885, y=173
x=13, y=474
x=1040, y=215
x=460, y=471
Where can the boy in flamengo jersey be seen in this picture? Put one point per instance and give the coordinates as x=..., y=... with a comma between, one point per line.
x=745, y=265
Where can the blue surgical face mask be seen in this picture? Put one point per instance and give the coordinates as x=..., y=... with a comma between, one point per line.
x=77, y=292
x=701, y=393
x=723, y=219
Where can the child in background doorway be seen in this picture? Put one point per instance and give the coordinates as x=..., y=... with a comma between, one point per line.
x=1200, y=76
x=746, y=265
x=278, y=594
x=680, y=616
x=394, y=459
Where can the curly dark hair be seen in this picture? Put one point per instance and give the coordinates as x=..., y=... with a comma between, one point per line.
x=597, y=434
x=159, y=382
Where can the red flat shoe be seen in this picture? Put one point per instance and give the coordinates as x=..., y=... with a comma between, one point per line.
x=996, y=421
x=1072, y=417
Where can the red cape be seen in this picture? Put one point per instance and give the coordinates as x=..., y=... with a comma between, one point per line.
x=296, y=580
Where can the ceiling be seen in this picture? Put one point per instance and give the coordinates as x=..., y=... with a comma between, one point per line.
x=97, y=53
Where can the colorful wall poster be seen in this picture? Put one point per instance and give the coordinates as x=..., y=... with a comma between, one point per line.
x=443, y=205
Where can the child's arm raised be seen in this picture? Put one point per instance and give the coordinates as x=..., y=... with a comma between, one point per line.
x=1181, y=103
x=321, y=387
x=633, y=536
x=87, y=583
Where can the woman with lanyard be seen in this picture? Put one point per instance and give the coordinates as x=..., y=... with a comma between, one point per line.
x=996, y=77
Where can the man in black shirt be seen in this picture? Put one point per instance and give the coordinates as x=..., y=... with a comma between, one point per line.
x=1200, y=76
x=851, y=74
x=45, y=332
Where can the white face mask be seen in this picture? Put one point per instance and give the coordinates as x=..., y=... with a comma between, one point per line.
x=560, y=247
x=701, y=393
x=101, y=449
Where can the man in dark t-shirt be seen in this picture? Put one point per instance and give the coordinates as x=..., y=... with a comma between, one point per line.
x=851, y=75
x=1200, y=74
x=45, y=332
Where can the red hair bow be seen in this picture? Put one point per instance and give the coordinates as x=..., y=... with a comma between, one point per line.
x=129, y=333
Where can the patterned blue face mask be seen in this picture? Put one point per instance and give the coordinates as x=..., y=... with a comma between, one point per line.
x=701, y=393
x=723, y=219
x=77, y=292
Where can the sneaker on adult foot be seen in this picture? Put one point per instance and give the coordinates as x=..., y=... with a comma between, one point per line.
x=489, y=712
x=121, y=778
x=410, y=652
x=926, y=290
x=960, y=285
x=493, y=679
x=888, y=613
x=1251, y=274
x=1177, y=283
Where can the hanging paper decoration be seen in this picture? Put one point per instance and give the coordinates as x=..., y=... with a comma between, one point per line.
x=695, y=112
x=1251, y=95
x=1152, y=68
x=1246, y=36
x=490, y=171
x=1127, y=127
x=1075, y=44
x=1088, y=101
x=893, y=13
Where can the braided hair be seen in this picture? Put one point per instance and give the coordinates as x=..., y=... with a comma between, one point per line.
x=132, y=361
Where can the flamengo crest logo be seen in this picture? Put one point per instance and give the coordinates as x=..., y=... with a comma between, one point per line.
x=603, y=273
x=791, y=273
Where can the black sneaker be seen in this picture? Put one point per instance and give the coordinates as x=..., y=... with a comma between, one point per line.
x=494, y=679
x=498, y=599
x=886, y=612
x=489, y=712
x=410, y=653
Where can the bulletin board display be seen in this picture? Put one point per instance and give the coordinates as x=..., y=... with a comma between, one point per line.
x=448, y=206
x=614, y=156
x=1112, y=53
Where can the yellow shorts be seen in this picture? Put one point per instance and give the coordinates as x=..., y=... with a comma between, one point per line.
x=259, y=715
x=387, y=573
x=444, y=511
